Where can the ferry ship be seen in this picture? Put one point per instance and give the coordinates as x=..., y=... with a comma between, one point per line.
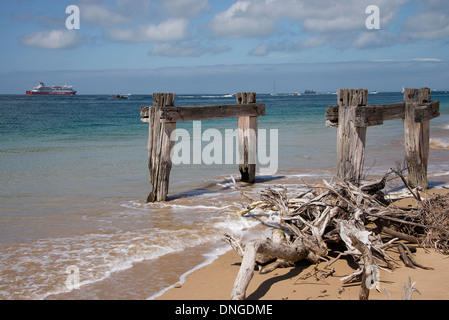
x=41, y=89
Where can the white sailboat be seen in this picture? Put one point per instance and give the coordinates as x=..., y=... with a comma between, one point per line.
x=274, y=89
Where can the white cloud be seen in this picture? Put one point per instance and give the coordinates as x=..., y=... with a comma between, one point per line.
x=185, y=8
x=261, y=17
x=191, y=49
x=238, y=22
x=376, y=39
x=427, y=60
x=99, y=15
x=169, y=30
x=176, y=50
x=411, y=60
x=260, y=51
x=55, y=39
x=428, y=25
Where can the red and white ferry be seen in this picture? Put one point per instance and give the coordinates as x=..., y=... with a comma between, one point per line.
x=41, y=89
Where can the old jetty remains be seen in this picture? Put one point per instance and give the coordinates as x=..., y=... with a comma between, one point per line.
x=352, y=116
x=162, y=118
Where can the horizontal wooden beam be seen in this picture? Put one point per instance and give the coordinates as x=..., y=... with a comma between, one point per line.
x=144, y=112
x=332, y=116
x=427, y=111
x=375, y=114
x=193, y=113
x=393, y=111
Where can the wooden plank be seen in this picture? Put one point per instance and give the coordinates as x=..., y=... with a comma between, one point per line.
x=332, y=116
x=366, y=116
x=351, y=139
x=375, y=114
x=393, y=111
x=428, y=111
x=352, y=117
x=352, y=97
x=247, y=126
x=417, y=138
x=145, y=112
x=207, y=112
x=424, y=95
x=160, y=147
x=165, y=163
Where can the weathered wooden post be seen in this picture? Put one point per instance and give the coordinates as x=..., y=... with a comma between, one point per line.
x=160, y=146
x=247, y=130
x=162, y=118
x=417, y=136
x=352, y=116
x=351, y=134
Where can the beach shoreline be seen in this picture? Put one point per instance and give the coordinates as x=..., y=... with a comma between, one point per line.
x=208, y=272
x=214, y=281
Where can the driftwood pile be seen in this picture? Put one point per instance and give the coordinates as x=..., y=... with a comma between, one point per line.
x=336, y=219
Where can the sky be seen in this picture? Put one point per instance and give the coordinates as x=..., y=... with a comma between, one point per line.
x=224, y=46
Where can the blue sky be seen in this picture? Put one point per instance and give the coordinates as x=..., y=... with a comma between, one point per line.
x=222, y=46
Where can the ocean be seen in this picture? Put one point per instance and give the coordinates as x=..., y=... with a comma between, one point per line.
x=74, y=222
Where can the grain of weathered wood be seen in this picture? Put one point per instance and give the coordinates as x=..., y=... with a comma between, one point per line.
x=416, y=137
x=247, y=130
x=352, y=118
x=373, y=115
x=351, y=138
x=162, y=118
x=159, y=146
x=197, y=113
x=332, y=116
x=427, y=111
x=393, y=111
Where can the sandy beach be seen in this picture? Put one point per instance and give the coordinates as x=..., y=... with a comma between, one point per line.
x=303, y=282
x=215, y=281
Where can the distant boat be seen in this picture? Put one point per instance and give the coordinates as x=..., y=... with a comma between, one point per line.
x=403, y=89
x=296, y=94
x=309, y=91
x=374, y=92
x=230, y=95
x=122, y=96
x=41, y=89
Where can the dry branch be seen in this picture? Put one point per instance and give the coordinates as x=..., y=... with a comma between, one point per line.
x=359, y=218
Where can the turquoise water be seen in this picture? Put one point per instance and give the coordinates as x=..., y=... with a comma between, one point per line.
x=74, y=179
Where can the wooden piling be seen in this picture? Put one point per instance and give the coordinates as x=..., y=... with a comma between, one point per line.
x=352, y=116
x=247, y=129
x=160, y=146
x=351, y=134
x=162, y=118
x=417, y=136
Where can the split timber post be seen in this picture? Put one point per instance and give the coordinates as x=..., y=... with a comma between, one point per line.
x=247, y=128
x=352, y=116
x=160, y=146
x=417, y=135
x=162, y=118
x=351, y=133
